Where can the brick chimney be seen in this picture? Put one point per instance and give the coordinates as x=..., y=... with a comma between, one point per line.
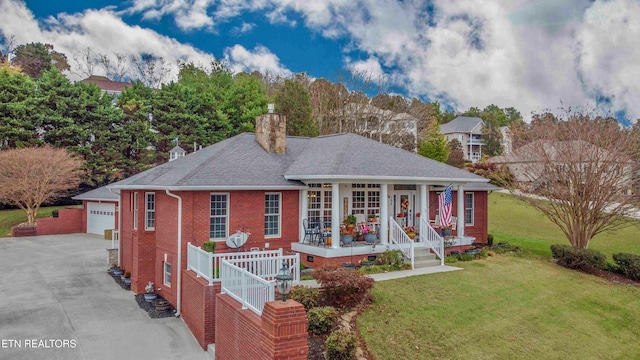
x=271, y=131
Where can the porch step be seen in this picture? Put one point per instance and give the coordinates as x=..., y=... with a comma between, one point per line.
x=424, y=258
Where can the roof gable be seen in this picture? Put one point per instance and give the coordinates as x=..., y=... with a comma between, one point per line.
x=463, y=124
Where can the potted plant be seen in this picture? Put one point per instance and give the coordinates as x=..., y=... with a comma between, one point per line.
x=149, y=292
x=446, y=231
x=346, y=235
x=369, y=234
x=351, y=221
x=366, y=263
x=118, y=271
x=410, y=231
x=127, y=278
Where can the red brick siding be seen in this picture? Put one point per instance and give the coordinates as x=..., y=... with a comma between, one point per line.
x=280, y=333
x=199, y=307
x=337, y=261
x=479, y=227
x=69, y=221
x=239, y=334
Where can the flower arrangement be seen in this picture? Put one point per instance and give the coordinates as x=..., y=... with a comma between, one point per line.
x=149, y=288
x=401, y=215
x=404, y=204
x=346, y=231
x=366, y=229
x=409, y=229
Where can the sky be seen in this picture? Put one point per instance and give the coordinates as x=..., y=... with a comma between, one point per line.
x=533, y=55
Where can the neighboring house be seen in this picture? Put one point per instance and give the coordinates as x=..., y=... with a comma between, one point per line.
x=468, y=131
x=109, y=86
x=529, y=164
x=100, y=210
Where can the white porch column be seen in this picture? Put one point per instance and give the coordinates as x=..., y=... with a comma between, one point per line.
x=335, y=215
x=384, y=214
x=460, y=225
x=424, y=202
x=304, y=204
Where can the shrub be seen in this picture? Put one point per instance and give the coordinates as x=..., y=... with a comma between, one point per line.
x=465, y=257
x=343, y=288
x=503, y=247
x=209, y=246
x=585, y=260
x=54, y=213
x=629, y=264
x=450, y=259
x=341, y=345
x=306, y=296
x=322, y=319
x=483, y=254
x=490, y=239
x=391, y=258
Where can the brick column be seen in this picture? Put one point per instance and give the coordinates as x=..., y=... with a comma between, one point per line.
x=284, y=330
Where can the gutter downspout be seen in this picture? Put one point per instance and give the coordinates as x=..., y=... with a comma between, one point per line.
x=119, y=225
x=179, y=301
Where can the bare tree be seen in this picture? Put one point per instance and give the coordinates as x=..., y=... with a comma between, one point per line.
x=116, y=66
x=150, y=69
x=30, y=177
x=86, y=61
x=582, y=167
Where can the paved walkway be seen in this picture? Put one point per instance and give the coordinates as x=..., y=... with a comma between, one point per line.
x=396, y=274
x=55, y=292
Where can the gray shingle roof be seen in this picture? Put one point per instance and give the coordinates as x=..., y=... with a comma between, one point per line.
x=462, y=124
x=99, y=194
x=240, y=162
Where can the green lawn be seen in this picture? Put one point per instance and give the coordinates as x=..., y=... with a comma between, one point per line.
x=8, y=218
x=513, y=221
x=510, y=306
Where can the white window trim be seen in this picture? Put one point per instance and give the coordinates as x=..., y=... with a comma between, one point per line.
x=227, y=217
x=135, y=210
x=473, y=208
x=164, y=273
x=279, y=234
x=146, y=211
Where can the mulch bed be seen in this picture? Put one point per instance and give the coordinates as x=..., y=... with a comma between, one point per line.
x=148, y=306
x=616, y=278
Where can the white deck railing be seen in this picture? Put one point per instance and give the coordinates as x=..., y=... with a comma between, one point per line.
x=264, y=264
x=399, y=238
x=250, y=290
x=267, y=267
x=431, y=237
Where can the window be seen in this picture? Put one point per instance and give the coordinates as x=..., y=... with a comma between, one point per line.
x=468, y=209
x=135, y=210
x=367, y=200
x=219, y=220
x=150, y=211
x=319, y=204
x=272, y=214
x=166, y=279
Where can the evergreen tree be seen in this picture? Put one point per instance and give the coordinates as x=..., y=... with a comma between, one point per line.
x=292, y=99
x=435, y=145
x=18, y=109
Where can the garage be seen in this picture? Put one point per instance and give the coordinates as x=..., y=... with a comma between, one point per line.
x=100, y=216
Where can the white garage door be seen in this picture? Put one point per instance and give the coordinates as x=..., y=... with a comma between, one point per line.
x=100, y=216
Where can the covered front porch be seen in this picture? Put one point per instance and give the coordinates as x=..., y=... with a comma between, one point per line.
x=391, y=209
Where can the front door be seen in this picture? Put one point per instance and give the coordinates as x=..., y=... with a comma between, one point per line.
x=405, y=207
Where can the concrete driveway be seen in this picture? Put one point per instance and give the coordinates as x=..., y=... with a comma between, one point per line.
x=58, y=302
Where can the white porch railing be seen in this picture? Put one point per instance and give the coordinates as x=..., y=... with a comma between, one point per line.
x=250, y=290
x=264, y=264
x=431, y=237
x=398, y=237
x=115, y=239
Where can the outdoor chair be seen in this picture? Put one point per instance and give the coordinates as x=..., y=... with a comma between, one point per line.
x=323, y=234
x=310, y=234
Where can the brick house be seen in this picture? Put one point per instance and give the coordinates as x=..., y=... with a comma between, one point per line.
x=266, y=184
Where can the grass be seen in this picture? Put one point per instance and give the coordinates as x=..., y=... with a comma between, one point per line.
x=8, y=218
x=509, y=306
x=512, y=221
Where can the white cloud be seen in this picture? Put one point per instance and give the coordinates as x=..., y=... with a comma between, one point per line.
x=101, y=30
x=371, y=67
x=260, y=59
x=245, y=28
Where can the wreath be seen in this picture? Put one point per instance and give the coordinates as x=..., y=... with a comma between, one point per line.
x=405, y=204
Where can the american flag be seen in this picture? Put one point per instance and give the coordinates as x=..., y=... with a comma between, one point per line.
x=444, y=207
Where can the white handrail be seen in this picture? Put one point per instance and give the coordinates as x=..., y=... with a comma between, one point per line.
x=398, y=237
x=431, y=237
x=264, y=264
x=250, y=290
